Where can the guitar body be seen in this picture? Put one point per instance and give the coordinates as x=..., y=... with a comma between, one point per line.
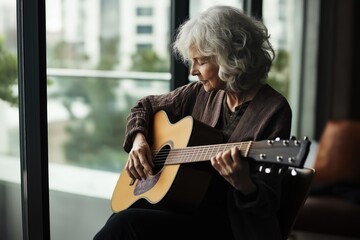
x=180, y=186
x=182, y=151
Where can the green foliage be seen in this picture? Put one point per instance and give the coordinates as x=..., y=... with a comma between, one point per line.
x=95, y=139
x=109, y=53
x=148, y=61
x=279, y=76
x=8, y=75
x=66, y=55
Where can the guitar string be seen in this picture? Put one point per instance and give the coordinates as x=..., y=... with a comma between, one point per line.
x=192, y=153
x=162, y=160
x=184, y=155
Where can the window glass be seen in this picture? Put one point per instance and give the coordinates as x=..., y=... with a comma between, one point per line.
x=144, y=11
x=10, y=190
x=92, y=74
x=277, y=19
x=144, y=29
x=99, y=63
x=197, y=6
x=284, y=21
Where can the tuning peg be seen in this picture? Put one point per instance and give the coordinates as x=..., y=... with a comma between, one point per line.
x=282, y=170
x=265, y=169
x=293, y=172
x=292, y=137
x=291, y=159
x=268, y=170
x=306, y=138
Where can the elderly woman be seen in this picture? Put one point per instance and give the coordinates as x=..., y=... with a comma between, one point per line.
x=230, y=54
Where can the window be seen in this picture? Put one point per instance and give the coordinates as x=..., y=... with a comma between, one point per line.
x=94, y=77
x=285, y=21
x=144, y=29
x=10, y=192
x=144, y=11
x=279, y=21
x=199, y=6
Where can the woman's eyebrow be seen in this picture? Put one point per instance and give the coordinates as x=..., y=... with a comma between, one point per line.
x=200, y=58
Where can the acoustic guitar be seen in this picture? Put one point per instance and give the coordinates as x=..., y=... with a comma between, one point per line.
x=179, y=149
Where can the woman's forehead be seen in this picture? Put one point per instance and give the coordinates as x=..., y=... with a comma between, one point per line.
x=194, y=52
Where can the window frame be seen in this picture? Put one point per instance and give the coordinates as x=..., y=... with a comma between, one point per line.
x=31, y=31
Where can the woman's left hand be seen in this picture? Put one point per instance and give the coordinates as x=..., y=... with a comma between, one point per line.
x=235, y=169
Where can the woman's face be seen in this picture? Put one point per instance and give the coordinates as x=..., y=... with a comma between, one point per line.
x=206, y=70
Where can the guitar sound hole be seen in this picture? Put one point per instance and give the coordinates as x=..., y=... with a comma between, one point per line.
x=160, y=158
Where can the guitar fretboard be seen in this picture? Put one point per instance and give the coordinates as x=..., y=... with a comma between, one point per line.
x=198, y=153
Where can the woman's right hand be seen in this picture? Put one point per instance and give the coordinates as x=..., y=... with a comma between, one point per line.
x=139, y=163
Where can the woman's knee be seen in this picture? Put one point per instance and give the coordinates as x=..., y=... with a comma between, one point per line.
x=117, y=227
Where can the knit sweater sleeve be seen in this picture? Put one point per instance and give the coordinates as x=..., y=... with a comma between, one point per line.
x=177, y=104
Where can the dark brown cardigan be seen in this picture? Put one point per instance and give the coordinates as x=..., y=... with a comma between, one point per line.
x=268, y=116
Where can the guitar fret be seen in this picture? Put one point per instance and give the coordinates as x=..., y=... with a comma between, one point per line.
x=247, y=149
x=189, y=157
x=224, y=147
x=198, y=154
x=217, y=150
x=182, y=158
x=171, y=157
x=241, y=149
x=205, y=153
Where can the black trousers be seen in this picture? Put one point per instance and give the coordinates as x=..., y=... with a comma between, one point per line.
x=139, y=224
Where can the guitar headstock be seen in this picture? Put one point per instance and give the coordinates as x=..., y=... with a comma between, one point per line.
x=286, y=152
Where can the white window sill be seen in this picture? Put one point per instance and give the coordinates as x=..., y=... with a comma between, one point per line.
x=65, y=178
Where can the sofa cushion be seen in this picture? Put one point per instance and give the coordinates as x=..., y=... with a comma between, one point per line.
x=338, y=159
x=329, y=215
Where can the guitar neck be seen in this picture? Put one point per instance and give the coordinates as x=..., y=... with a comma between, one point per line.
x=280, y=152
x=204, y=153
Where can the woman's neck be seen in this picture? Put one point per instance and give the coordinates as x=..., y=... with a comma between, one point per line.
x=235, y=99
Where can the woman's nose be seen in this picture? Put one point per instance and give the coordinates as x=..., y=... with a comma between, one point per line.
x=194, y=71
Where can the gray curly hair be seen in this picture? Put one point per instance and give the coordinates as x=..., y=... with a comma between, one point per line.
x=238, y=43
